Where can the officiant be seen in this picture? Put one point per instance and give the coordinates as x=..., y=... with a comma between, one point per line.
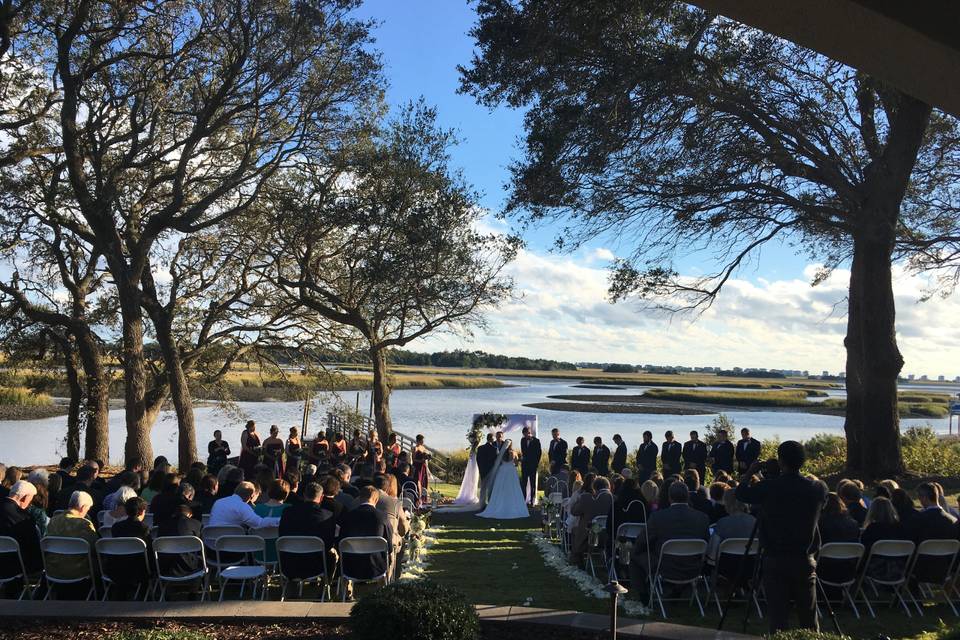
x=486, y=457
x=530, y=454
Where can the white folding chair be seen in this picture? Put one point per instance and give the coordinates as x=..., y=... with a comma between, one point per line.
x=63, y=546
x=132, y=552
x=932, y=567
x=246, y=569
x=175, y=546
x=594, y=538
x=733, y=561
x=839, y=562
x=896, y=554
x=105, y=532
x=408, y=506
x=680, y=563
x=210, y=536
x=16, y=570
x=204, y=520
x=627, y=534
x=299, y=551
x=362, y=546
x=411, y=490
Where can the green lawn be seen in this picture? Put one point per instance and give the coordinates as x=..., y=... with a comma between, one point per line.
x=478, y=557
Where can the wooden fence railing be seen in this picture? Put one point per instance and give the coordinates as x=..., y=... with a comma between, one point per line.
x=338, y=422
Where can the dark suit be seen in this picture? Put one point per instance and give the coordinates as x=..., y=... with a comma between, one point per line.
x=619, y=458
x=601, y=459
x=932, y=523
x=580, y=459
x=557, y=451
x=17, y=524
x=365, y=520
x=646, y=460
x=124, y=569
x=185, y=563
x=309, y=519
x=486, y=457
x=530, y=454
x=789, y=509
x=695, y=457
x=722, y=454
x=670, y=457
x=748, y=452
x=677, y=522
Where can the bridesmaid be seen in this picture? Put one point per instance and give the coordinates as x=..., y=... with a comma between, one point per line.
x=273, y=452
x=374, y=448
x=294, y=448
x=421, y=471
x=357, y=450
x=249, y=449
x=393, y=451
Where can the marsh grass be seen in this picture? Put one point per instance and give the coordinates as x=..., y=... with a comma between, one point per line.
x=778, y=398
x=23, y=397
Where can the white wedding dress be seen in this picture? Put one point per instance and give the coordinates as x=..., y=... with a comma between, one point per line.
x=506, y=497
x=469, y=497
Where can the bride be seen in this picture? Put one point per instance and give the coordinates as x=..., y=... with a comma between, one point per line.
x=506, y=498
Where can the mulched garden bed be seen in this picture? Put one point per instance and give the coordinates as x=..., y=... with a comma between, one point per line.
x=293, y=630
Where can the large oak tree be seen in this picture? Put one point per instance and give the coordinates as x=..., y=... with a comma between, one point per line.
x=681, y=132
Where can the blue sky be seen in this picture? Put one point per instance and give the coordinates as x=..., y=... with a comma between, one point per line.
x=769, y=317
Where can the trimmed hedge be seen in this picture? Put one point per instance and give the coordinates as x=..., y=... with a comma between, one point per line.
x=414, y=610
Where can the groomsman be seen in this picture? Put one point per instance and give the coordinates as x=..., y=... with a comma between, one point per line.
x=530, y=454
x=646, y=458
x=601, y=457
x=580, y=458
x=722, y=454
x=748, y=451
x=486, y=457
x=670, y=455
x=695, y=455
x=557, y=451
x=619, y=455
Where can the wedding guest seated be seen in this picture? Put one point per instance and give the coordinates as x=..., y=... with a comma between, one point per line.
x=120, y=568
x=292, y=477
x=344, y=473
x=389, y=504
x=228, y=480
x=38, y=509
x=309, y=518
x=698, y=498
x=64, y=470
x=166, y=503
x=331, y=489
x=882, y=523
x=678, y=521
x=39, y=477
x=587, y=507
x=4, y=491
x=16, y=523
x=119, y=511
x=852, y=497
x=627, y=473
x=903, y=503
x=154, y=485
x=207, y=494
x=125, y=479
x=403, y=474
x=932, y=522
x=835, y=524
x=736, y=524
x=365, y=520
x=180, y=523
x=628, y=506
x=73, y=523
x=274, y=507
x=238, y=509
x=84, y=482
x=649, y=490
x=717, y=509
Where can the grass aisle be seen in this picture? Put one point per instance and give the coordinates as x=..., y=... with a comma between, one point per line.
x=494, y=562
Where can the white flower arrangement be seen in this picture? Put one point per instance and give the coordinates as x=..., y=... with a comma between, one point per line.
x=586, y=583
x=415, y=564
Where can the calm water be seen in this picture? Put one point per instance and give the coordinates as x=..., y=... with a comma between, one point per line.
x=442, y=415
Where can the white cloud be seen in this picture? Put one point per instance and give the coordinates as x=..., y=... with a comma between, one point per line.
x=564, y=314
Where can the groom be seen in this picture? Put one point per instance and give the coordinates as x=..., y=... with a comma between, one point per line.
x=486, y=457
x=530, y=454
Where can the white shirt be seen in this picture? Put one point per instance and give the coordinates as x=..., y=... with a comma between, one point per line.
x=232, y=510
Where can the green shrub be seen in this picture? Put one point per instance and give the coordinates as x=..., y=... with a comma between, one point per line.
x=23, y=397
x=806, y=634
x=414, y=610
x=824, y=444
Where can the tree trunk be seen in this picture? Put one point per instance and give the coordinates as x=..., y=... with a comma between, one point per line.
x=76, y=399
x=381, y=393
x=138, y=445
x=97, y=440
x=179, y=393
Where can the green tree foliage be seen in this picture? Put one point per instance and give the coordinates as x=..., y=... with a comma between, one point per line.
x=682, y=133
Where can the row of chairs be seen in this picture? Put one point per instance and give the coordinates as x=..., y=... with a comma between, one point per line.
x=238, y=557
